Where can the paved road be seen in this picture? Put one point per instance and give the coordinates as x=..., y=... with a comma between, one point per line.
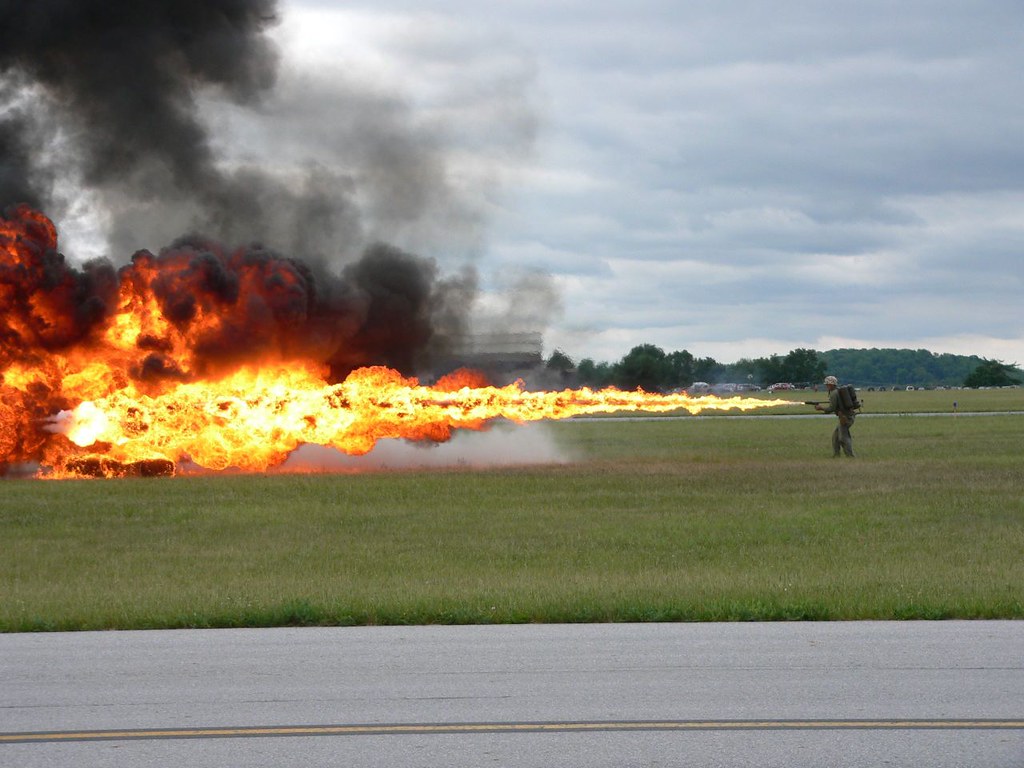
x=794, y=694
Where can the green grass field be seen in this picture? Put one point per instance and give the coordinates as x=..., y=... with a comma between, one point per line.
x=685, y=519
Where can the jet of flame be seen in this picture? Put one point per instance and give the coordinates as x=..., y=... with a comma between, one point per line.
x=105, y=376
x=254, y=418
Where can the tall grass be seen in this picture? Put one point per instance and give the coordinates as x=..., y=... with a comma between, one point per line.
x=681, y=519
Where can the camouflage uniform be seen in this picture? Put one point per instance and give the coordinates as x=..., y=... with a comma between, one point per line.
x=841, y=436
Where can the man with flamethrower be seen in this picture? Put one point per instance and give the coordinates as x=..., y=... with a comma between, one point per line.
x=843, y=403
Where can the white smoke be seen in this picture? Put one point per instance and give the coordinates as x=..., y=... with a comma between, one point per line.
x=503, y=445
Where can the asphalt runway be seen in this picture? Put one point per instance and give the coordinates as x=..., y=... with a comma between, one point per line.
x=755, y=694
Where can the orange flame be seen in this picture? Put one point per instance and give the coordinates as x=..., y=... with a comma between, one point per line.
x=81, y=396
x=253, y=419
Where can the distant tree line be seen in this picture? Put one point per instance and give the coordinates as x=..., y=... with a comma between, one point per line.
x=652, y=369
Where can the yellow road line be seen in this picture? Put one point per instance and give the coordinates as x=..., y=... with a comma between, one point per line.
x=469, y=728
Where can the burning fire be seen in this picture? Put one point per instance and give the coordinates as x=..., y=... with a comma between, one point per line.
x=133, y=372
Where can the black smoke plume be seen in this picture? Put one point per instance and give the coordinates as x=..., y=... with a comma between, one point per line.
x=121, y=77
x=108, y=92
x=232, y=306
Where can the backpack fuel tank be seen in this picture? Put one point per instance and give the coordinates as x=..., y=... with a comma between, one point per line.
x=848, y=397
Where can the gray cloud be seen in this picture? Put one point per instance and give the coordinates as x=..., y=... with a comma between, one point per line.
x=804, y=176
x=732, y=179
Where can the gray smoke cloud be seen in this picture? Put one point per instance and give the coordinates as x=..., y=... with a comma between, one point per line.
x=174, y=116
x=108, y=97
x=156, y=119
x=120, y=78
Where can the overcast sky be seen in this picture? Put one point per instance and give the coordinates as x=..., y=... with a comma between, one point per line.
x=737, y=179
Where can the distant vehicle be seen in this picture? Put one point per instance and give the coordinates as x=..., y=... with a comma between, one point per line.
x=699, y=388
x=780, y=385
